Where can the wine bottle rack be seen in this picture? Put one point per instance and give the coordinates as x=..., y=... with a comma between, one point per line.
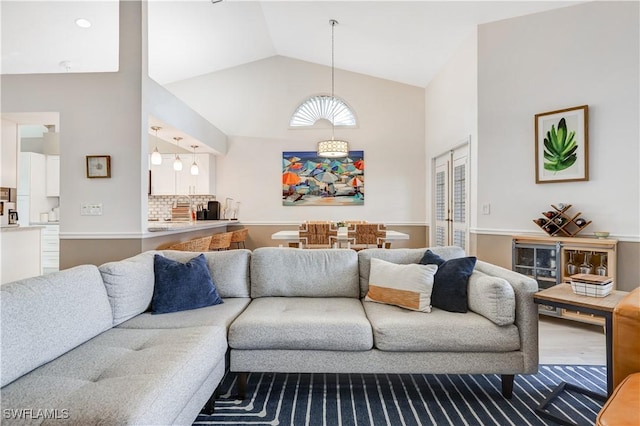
x=558, y=222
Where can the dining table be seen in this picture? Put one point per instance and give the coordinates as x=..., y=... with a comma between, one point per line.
x=294, y=235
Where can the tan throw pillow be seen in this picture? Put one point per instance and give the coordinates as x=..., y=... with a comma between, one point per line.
x=406, y=286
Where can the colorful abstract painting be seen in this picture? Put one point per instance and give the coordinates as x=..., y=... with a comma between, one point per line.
x=309, y=180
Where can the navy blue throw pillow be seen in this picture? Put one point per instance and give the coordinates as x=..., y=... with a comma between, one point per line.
x=182, y=286
x=450, y=282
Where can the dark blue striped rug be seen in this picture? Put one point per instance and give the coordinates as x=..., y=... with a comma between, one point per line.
x=406, y=399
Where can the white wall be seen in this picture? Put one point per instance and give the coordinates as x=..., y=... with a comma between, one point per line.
x=106, y=114
x=452, y=113
x=9, y=154
x=585, y=54
x=253, y=104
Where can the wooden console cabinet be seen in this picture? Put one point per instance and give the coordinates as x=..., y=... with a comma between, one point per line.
x=551, y=260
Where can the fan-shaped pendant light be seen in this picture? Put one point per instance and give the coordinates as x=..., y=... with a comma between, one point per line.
x=177, y=163
x=333, y=148
x=156, y=157
x=194, y=167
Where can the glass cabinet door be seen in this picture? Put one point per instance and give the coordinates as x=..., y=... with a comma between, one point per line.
x=540, y=262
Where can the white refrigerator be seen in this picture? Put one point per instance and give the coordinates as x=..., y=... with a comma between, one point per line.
x=32, y=198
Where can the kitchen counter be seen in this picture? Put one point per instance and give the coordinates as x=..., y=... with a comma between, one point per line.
x=9, y=228
x=98, y=248
x=20, y=252
x=156, y=228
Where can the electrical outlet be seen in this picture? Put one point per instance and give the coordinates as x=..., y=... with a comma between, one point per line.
x=91, y=209
x=486, y=208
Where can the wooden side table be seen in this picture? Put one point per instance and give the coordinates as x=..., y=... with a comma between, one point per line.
x=562, y=296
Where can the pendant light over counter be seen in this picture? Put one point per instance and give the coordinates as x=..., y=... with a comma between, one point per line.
x=156, y=157
x=177, y=162
x=332, y=148
x=194, y=167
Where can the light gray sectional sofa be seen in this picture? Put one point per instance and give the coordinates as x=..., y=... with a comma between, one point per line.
x=80, y=345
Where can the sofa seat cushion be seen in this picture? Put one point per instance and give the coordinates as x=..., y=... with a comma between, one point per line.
x=397, y=329
x=220, y=315
x=123, y=376
x=302, y=323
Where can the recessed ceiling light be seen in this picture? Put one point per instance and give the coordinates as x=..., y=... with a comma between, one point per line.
x=83, y=23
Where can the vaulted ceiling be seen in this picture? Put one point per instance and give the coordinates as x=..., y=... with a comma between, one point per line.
x=404, y=41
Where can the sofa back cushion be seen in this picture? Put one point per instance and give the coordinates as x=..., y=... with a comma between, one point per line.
x=129, y=284
x=400, y=256
x=304, y=272
x=46, y=316
x=229, y=269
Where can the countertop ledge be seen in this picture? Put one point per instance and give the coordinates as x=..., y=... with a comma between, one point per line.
x=160, y=226
x=154, y=229
x=11, y=228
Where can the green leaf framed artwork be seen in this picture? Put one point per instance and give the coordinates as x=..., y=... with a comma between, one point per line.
x=562, y=145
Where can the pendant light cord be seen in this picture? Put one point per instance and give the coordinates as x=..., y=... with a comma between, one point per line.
x=333, y=23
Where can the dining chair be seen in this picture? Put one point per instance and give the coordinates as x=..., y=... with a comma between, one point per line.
x=196, y=244
x=365, y=235
x=221, y=241
x=316, y=234
x=238, y=237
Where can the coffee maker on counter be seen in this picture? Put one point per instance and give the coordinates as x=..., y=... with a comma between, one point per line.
x=213, y=210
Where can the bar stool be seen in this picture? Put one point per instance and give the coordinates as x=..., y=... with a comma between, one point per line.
x=196, y=244
x=239, y=237
x=220, y=241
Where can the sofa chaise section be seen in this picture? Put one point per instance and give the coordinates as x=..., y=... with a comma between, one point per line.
x=81, y=344
x=125, y=376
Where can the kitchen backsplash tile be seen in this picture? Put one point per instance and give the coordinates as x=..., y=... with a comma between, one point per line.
x=160, y=205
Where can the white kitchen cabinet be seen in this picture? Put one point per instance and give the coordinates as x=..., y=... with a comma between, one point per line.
x=166, y=181
x=50, y=253
x=32, y=183
x=163, y=180
x=53, y=176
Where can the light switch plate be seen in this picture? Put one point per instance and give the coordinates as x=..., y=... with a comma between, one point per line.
x=91, y=209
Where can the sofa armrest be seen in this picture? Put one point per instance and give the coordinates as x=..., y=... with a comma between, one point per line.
x=526, y=310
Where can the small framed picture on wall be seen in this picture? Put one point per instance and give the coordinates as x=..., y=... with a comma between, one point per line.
x=98, y=166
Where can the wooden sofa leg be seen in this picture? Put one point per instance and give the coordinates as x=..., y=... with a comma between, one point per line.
x=242, y=385
x=210, y=406
x=507, y=385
